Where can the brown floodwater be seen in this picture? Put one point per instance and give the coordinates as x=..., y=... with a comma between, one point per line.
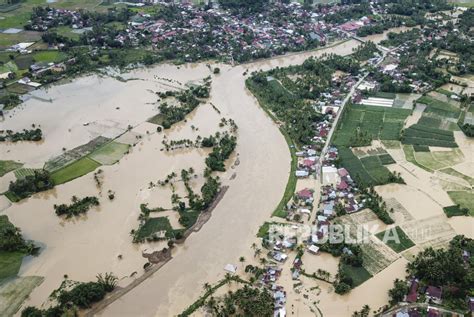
x=83, y=247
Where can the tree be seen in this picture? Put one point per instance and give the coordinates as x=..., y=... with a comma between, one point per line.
x=398, y=292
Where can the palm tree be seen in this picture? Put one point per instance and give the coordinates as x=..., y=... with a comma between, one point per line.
x=257, y=252
x=207, y=287
x=242, y=259
x=263, y=261
x=254, y=245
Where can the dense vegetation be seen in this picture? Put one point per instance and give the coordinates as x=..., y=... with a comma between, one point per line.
x=25, y=135
x=73, y=295
x=11, y=239
x=289, y=101
x=221, y=151
x=246, y=301
x=30, y=184
x=452, y=269
x=78, y=206
x=188, y=100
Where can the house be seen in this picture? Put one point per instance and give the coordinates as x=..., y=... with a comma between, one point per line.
x=342, y=172
x=328, y=209
x=302, y=173
x=342, y=185
x=305, y=194
x=434, y=294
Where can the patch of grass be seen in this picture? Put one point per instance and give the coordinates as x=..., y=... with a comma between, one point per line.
x=10, y=263
x=66, y=31
x=358, y=274
x=455, y=210
x=421, y=148
x=386, y=159
x=426, y=159
x=77, y=169
x=51, y=56
x=410, y=157
x=152, y=226
x=453, y=172
x=403, y=244
x=464, y=199
x=8, y=166
x=110, y=153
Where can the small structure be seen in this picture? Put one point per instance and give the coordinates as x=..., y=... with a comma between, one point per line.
x=313, y=249
x=230, y=268
x=434, y=294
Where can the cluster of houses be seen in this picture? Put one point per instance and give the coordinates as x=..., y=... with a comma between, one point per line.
x=211, y=32
x=46, y=18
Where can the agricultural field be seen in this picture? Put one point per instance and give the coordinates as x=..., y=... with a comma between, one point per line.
x=13, y=294
x=422, y=134
x=376, y=255
x=23, y=172
x=8, y=166
x=405, y=242
x=379, y=122
x=441, y=112
x=10, y=263
x=110, y=153
x=368, y=170
x=358, y=274
x=77, y=169
x=464, y=199
x=435, y=160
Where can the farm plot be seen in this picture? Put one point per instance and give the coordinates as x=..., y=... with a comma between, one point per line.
x=463, y=198
x=376, y=255
x=400, y=214
x=453, y=172
x=439, y=108
x=14, y=293
x=379, y=122
x=400, y=242
x=75, y=154
x=418, y=134
x=368, y=171
x=434, y=231
x=23, y=172
x=77, y=169
x=8, y=166
x=435, y=160
x=110, y=153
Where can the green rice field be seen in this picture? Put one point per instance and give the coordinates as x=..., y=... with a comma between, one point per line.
x=379, y=122
x=405, y=242
x=77, y=169
x=110, y=153
x=367, y=171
